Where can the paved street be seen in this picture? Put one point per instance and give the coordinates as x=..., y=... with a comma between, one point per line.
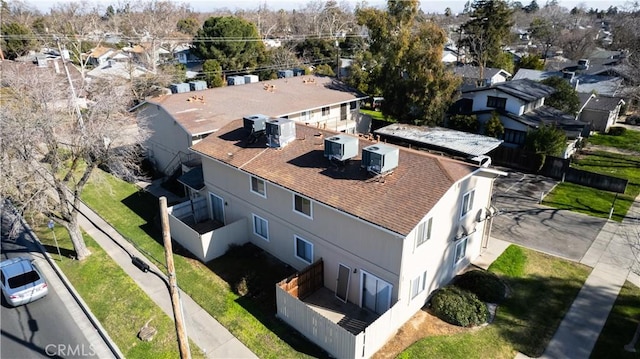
x=54, y=326
x=523, y=221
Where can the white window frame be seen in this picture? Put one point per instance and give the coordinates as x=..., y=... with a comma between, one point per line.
x=459, y=257
x=326, y=111
x=265, y=236
x=424, y=231
x=418, y=284
x=310, y=215
x=464, y=210
x=264, y=186
x=297, y=238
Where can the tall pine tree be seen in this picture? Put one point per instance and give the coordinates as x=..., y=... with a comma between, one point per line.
x=416, y=86
x=487, y=31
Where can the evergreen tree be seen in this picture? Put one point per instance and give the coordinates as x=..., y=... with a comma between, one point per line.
x=532, y=62
x=487, y=31
x=494, y=127
x=565, y=98
x=213, y=73
x=231, y=41
x=17, y=40
x=546, y=140
x=407, y=63
x=465, y=123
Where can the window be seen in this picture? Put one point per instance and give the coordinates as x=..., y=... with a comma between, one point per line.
x=325, y=111
x=304, y=250
x=302, y=205
x=513, y=136
x=258, y=187
x=424, y=232
x=260, y=227
x=467, y=202
x=418, y=284
x=353, y=105
x=496, y=102
x=461, y=250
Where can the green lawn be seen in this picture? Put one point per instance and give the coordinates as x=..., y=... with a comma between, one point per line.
x=526, y=321
x=375, y=115
x=620, y=326
x=134, y=213
x=115, y=299
x=596, y=202
x=630, y=140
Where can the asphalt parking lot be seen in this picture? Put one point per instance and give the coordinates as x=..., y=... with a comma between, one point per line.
x=523, y=221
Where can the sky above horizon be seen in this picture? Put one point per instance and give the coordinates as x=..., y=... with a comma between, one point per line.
x=429, y=6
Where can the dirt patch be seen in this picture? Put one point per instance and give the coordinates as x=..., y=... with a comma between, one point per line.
x=593, y=148
x=422, y=324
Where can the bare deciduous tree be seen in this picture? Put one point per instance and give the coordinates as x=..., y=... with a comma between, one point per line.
x=49, y=152
x=74, y=24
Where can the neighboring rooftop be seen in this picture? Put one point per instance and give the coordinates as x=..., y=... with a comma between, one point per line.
x=548, y=115
x=301, y=167
x=524, y=89
x=607, y=85
x=213, y=108
x=445, y=139
x=603, y=103
x=473, y=72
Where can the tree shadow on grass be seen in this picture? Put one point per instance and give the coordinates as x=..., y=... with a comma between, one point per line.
x=252, y=274
x=147, y=206
x=532, y=313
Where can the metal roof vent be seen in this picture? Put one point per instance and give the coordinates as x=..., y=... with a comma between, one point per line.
x=340, y=147
x=280, y=131
x=380, y=158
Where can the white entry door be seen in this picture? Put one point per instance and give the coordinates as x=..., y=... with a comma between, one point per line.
x=376, y=293
x=217, y=208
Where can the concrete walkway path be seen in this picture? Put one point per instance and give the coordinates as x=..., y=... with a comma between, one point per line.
x=611, y=257
x=212, y=338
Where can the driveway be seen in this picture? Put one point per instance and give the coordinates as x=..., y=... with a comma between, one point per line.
x=521, y=220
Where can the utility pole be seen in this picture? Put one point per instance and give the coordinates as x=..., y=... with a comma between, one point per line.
x=73, y=91
x=181, y=331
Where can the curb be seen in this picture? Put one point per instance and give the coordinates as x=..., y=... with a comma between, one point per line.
x=85, y=308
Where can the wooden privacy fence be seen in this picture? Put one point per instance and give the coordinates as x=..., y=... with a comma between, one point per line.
x=305, y=282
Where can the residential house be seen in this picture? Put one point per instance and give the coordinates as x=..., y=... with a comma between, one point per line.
x=582, y=83
x=474, y=77
x=520, y=107
x=180, y=120
x=379, y=226
x=600, y=112
x=100, y=55
x=450, y=55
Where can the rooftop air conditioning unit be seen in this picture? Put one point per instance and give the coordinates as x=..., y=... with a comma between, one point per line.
x=255, y=123
x=340, y=147
x=280, y=131
x=380, y=158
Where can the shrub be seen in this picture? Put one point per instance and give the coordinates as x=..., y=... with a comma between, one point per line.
x=486, y=285
x=459, y=307
x=633, y=120
x=617, y=131
x=511, y=262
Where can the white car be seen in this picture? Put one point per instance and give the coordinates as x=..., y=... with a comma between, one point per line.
x=22, y=282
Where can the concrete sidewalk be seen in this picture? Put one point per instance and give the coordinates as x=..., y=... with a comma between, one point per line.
x=611, y=259
x=212, y=338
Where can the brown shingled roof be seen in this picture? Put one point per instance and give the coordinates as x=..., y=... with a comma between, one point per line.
x=213, y=108
x=398, y=203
